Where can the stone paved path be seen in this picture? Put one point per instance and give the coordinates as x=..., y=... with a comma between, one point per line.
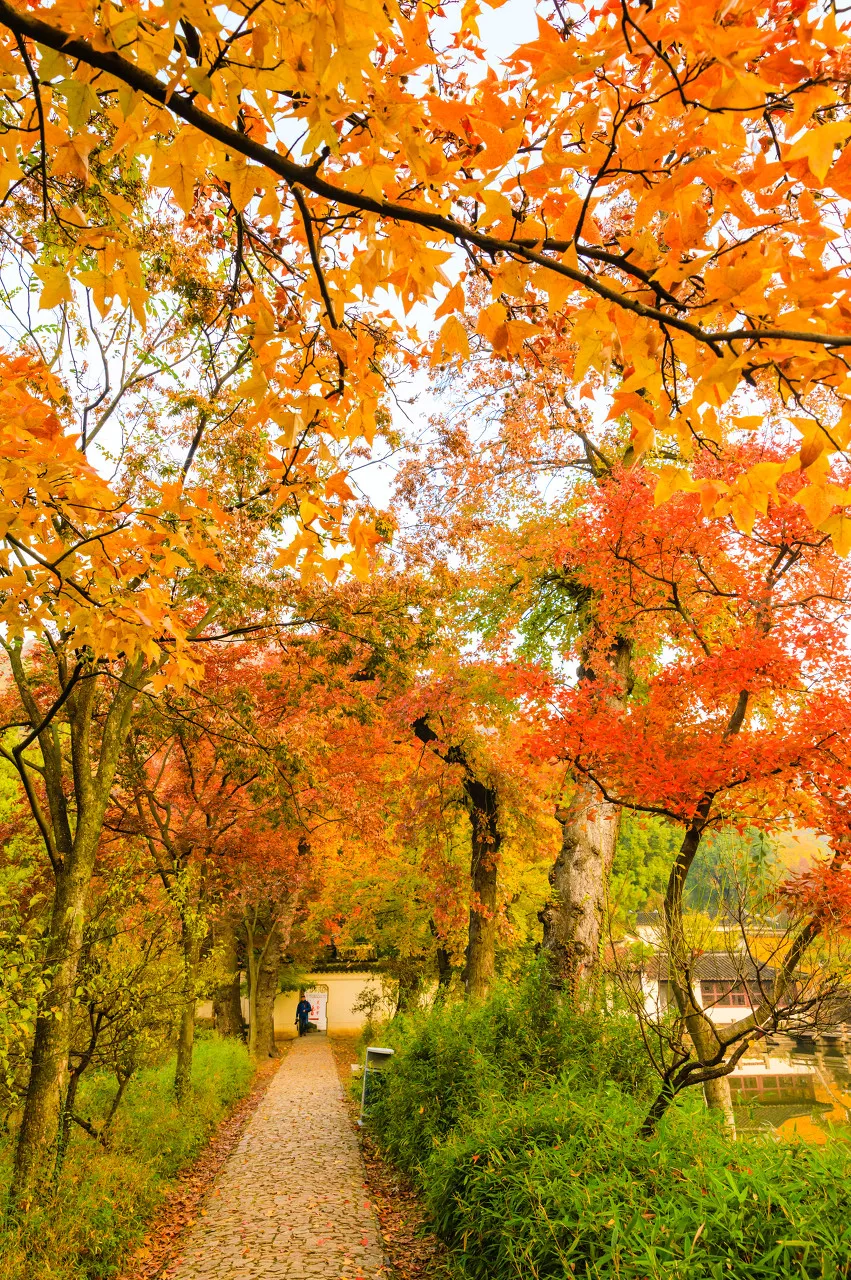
x=290, y=1202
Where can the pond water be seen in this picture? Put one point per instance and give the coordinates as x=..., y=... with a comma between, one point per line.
x=798, y=1091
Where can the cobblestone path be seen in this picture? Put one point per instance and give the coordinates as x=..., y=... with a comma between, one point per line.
x=290, y=1203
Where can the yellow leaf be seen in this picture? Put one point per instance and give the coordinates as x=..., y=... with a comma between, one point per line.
x=558, y=289
x=812, y=448
x=57, y=286
x=452, y=340
x=817, y=146
x=242, y=179
x=256, y=385
x=839, y=528
x=743, y=513
x=500, y=145
x=711, y=491
x=308, y=510
x=337, y=487
x=177, y=166
x=270, y=205
x=454, y=301
x=200, y=81
x=818, y=500
x=642, y=435
x=331, y=569
x=102, y=287
x=72, y=156
x=51, y=64
x=518, y=332
x=291, y=424
x=671, y=480
x=81, y=100
x=359, y=563
x=490, y=318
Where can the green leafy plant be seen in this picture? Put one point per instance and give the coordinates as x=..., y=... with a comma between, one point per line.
x=520, y=1120
x=105, y=1197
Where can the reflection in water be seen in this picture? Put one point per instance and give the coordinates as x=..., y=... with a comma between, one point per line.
x=800, y=1092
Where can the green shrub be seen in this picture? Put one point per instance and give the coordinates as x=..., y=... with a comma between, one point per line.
x=451, y=1059
x=521, y=1124
x=105, y=1198
x=560, y=1184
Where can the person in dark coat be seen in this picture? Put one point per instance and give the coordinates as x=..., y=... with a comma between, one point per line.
x=302, y=1015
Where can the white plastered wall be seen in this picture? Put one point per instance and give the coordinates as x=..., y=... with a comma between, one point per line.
x=344, y=991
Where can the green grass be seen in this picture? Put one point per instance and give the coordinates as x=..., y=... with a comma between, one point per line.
x=106, y=1197
x=521, y=1123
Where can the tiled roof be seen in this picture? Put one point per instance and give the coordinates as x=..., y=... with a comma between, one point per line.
x=713, y=966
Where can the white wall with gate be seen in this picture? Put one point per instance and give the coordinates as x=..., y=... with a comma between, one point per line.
x=341, y=992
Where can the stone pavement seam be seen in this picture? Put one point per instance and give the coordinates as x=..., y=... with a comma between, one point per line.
x=290, y=1202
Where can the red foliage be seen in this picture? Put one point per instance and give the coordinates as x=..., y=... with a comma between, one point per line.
x=741, y=656
x=822, y=892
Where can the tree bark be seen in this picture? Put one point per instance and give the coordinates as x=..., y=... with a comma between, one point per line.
x=574, y=917
x=485, y=840
x=72, y=858
x=716, y=1092
x=704, y=1036
x=444, y=971
x=253, y=968
x=719, y=1099
x=69, y=1101
x=38, y=1138
x=268, y=975
x=480, y=965
x=227, y=1005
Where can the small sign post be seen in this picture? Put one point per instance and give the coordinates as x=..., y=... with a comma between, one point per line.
x=376, y=1060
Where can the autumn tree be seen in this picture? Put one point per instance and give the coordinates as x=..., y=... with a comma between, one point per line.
x=670, y=203
x=129, y=987
x=108, y=585
x=265, y=893
x=296, y=726
x=79, y=649
x=189, y=786
x=739, y=650
x=511, y=427
x=467, y=718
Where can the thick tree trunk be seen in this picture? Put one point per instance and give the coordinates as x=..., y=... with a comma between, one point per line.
x=480, y=963
x=444, y=971
x=72, y=859
x=186, y=1032
x=227, y=1006
x=574, y=917
x=268, y=975
x=38, y=1136
x=719, y=1099
x=480, y=966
